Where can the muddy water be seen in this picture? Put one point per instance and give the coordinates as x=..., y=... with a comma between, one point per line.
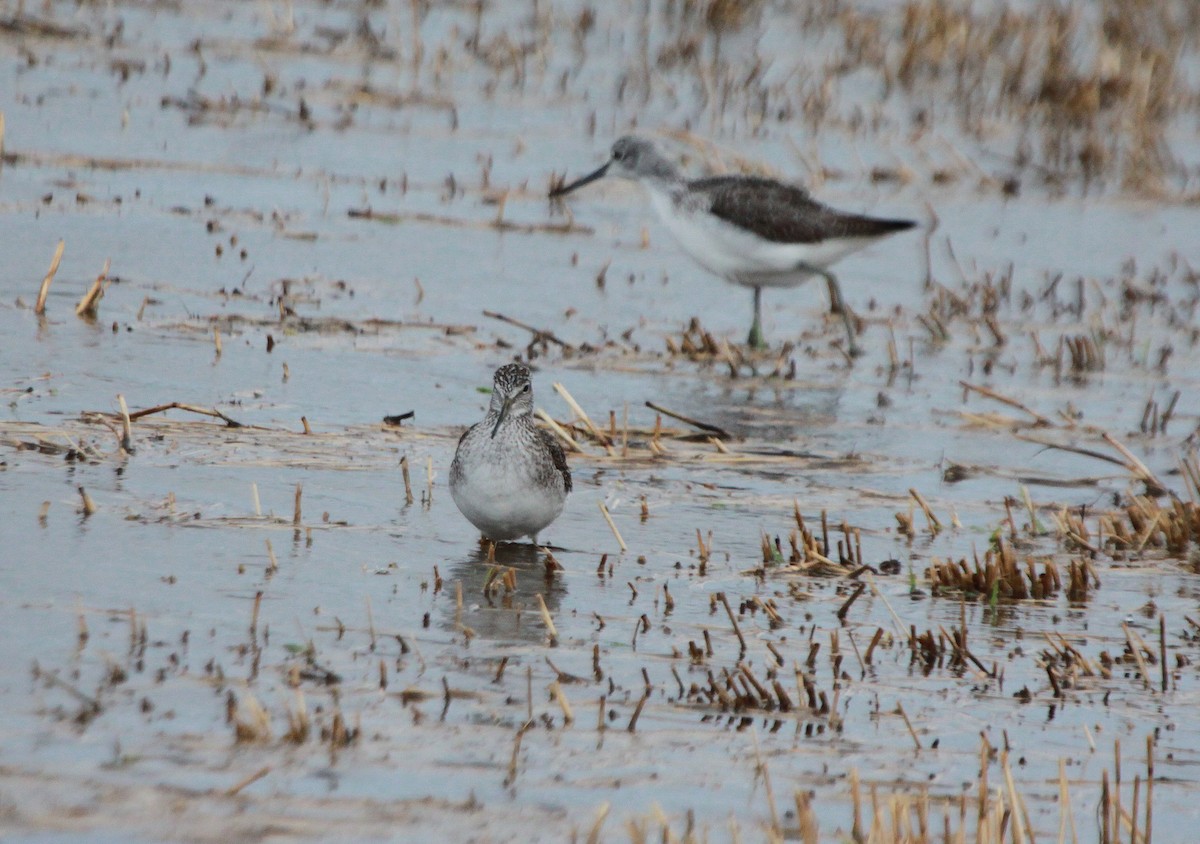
x=128, y=632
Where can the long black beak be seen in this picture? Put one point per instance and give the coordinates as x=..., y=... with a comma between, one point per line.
x=504, y=408
x=578, y=183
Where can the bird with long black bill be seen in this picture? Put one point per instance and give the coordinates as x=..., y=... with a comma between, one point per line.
x=751, y=231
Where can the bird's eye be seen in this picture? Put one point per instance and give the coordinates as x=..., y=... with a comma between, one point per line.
x=525, y=389
x=618, y=155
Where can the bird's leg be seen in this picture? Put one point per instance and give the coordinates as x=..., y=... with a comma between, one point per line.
x=838, y=306
x=755, y=341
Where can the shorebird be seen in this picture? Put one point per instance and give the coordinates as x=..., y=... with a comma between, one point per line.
x=509, y=477
x=750, y=231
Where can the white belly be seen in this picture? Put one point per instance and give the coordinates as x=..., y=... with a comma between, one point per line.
x=501, y=499
x=744, y=258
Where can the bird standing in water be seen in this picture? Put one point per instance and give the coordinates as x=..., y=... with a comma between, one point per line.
x=509, y=477
x=751, y=231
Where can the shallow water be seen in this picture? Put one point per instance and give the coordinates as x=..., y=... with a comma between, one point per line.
x=124, y=731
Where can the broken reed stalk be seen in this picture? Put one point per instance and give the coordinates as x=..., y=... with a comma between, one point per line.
x=190, y=408
x=1162, y=651
x=625, y=441
x=732, y=620
x=1033, y=519
x=126, y=425
x=296, y=511
x=90, y=303
x=908, y=723
x=1019, y=820
x=875, y=640
x=1105, y=809
x=1040, y=420
x=845, y=608
x=601, y=816
x=257, y=503
x=258, y=596
x=563, y=703
x=856, y=832
x=274, y=567
x=596, y=433
x=44, y=291
x=806, y=819
x=1133, y=810
x=934, y=525
x=633, y=719
x=1073, y=449
x=857, y=654
x=516, y=752
x=1117, y=771
x=248, y=781
x=408, y=493
x=89, y=506
x=546, y=619
x=562, y=432
x=716, y=431
x=1135, y=647
x=217, y=340
x=985, y=749
x=1066, y=816
x=612, y=526
x=1135, y=465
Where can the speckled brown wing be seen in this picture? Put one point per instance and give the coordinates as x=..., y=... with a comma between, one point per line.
x=784, y=213
x=456, y=469
x=557, y=455
x=464, y=433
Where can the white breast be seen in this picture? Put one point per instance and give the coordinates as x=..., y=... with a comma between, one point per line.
x=497, y=492
x=740, y=256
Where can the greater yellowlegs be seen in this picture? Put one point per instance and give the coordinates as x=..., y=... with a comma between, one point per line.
x=509, y=477
x=751, y=231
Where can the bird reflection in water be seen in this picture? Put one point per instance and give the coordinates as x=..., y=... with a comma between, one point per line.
x=503, y=612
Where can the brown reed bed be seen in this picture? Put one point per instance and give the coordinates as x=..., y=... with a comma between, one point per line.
x=991, y=815
x=1002, y=576
x=812, y=554
x=746, y=668
x=1144, y=529
x=1090, y=93
x=697, y=345
x=1097, y=91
